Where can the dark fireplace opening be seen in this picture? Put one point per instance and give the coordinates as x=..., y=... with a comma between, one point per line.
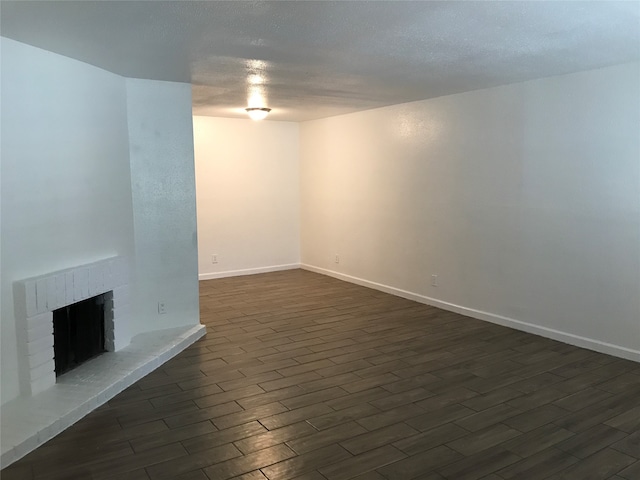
x=78, y=333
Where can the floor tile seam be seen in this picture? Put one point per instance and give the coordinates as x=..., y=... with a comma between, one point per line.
x=406, y=457
x=149, y=408
x=199, y=397
x=241, y=436
x=346, y=394
x=367, y=469
x=386, y=425
x=184, y=390
x=618, y=449
x=584, y=410
x=285, y=442
x=164, y=420
x=223, y=392
x=565, y=455
x=293, y=342
x=231, y=390
x=175, y=441
x=266, y=365
x=497, y=445
x=597, y=387
x=321, y=368
x=467, y=416
x=439, y=468
x=303, y=371
x=255, y=469
x=257, y=418
x=578, y=461
x=184, y=453
x=550, y=422
x=204, y=373
x=154, y=477
x=586, y=457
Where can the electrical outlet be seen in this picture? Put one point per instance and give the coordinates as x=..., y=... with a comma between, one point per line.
x=337, y=259
x=162, y=308
x=434, y=280
x=214, y=258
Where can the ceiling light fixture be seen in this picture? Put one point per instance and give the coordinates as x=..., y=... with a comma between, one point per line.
x=257, y=113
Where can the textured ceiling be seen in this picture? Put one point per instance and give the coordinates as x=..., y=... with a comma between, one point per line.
x=315, y=59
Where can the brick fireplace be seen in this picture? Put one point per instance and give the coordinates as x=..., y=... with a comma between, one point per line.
x=35, y=300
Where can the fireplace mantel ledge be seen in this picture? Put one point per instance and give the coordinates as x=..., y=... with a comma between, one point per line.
x=28, y=422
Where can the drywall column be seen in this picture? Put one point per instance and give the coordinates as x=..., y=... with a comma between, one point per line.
x=164, y=208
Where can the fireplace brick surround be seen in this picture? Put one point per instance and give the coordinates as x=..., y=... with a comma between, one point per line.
x=36, y=298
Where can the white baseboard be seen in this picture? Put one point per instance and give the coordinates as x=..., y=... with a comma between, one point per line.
x=248, y=271
x=546, y=332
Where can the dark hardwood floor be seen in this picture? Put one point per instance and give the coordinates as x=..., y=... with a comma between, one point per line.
x=307, y=377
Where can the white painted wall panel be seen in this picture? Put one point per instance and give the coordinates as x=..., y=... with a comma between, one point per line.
x=247, y=177
x=524, y=200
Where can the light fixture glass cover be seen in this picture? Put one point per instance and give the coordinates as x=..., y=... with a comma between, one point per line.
x=257, y=113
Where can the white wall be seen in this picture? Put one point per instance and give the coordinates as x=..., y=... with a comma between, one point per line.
x=66, y=189
x=247, y=184
x=163, y=186
x=523, y=199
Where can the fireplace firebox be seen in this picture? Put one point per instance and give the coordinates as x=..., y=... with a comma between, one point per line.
x=78, y=333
